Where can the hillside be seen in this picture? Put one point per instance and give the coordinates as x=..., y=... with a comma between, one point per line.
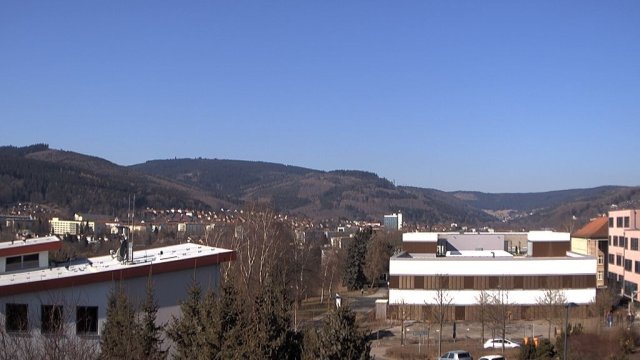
x=313, y=193
x=77, y=182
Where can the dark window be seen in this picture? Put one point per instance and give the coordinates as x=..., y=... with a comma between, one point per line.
x=624, y=242
x=626, y=221
x=30, y=261
x=627, y=264
x=634, y=243
x=51, y=318
x=615, y=241
x=16, y=317
x=22, y=262
x=637, y=269
x=618, y=260
x=14, y=263
x=610, y=222
x=86, y=319
x=611, y=258
x=619, y=222
x=610, y=242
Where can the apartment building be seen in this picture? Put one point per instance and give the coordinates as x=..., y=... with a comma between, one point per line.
x=464, y=266
x=71, y=227
x=624, y=256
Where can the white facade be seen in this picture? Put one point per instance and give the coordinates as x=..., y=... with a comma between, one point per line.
x=463, y=271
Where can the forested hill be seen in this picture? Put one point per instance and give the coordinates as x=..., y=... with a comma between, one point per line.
x=317, y=194
x=77, y=182
x=74, y=182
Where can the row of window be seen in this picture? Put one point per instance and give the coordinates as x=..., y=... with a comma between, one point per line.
x=623, y=242
x=528, y=282
x=621, y=221
x=629, y=265
x=51, y=318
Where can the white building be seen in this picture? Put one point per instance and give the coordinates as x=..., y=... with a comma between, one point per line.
x=393, y=221
x=453, y=263
x=32, y=288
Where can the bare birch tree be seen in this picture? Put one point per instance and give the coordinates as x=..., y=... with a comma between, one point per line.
x=483, y=301
x=499, y=311
x=441, y=305
x=551, y=303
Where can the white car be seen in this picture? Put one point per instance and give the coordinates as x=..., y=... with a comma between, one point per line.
x=492, y=357
x=497, y=344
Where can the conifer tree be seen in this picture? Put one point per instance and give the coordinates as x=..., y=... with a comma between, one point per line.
x=151, y=333
x=340, y=338
x=121, y=331
x=274, y=337
x=188, y=330
x=354, y=277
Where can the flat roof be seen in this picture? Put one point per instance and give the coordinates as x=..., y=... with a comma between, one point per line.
x=28, y=246
x=480, y=253
x=106, y=268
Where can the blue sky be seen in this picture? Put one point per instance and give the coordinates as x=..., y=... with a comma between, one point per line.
x=494, y=96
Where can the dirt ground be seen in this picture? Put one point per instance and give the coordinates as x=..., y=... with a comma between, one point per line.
x=421, y=340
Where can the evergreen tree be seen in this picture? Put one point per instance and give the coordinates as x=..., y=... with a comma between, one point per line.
x=340, y=338
x=234, y=327
x=188, y=330
x=274, y=337
x=354, y=277
x=121, y=331
x=151, y=333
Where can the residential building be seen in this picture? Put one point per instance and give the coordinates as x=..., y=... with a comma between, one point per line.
x=624, y=257
x=592, y=239
x=38, y=295
x=464, y=266
x=71, y=227
x=393, y=221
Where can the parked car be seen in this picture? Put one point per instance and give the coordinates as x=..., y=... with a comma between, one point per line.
x=456, y=355
x=493, y=357
x=497, y=344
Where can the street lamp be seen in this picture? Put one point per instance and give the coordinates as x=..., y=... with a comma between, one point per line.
x=566, y=327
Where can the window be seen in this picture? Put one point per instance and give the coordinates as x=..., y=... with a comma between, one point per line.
x=627, y=265
x=601, y=275
x=16, y=317
x=634, y=243
x=22, y=262
x=610, y=222
x=637, y=269
x=626, y=221
x=624, y=242
x=86, y=319
x=619, y=222
x=610, y=242
x=611, y=258
x=615, y=241
x=618, y=260
x=600, y=259
x=51, y=321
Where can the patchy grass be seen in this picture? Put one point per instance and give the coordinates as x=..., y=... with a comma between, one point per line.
x=312, y=308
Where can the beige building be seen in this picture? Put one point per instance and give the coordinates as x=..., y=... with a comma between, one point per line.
x=71, y=227
x=591, y=240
